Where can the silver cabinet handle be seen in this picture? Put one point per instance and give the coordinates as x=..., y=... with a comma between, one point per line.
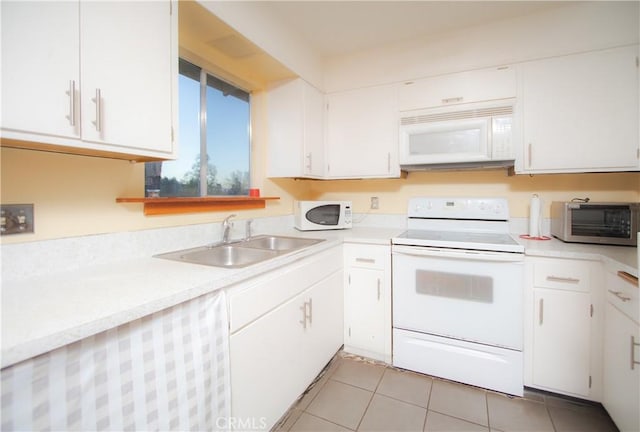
x=303, y=308
x=563, y=279
x=366, y=260
x=389, y=162
x=98, y=101
x=620, y=296
x=452, y=100
x=634, y=344
x=541, y=312
x=530, y=154
x=72, y=102
x=309, y=161
x=306, y=306
x=378, y=289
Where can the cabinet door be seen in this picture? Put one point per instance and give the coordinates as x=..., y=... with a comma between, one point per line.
x=580, y=112
x=295, y=121
x=314, y=151
x=275, y=358
x=325, y=323
x=364, y=309
x=621, y=377
x=127, y=74
x=40, y=67
x=457, y=88
x=265, y=358
x=362, y=133
x=561, y=340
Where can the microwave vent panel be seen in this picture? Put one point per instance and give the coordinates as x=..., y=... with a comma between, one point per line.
x=457, y=115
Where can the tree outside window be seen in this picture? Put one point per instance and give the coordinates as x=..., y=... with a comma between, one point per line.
x=214, y=137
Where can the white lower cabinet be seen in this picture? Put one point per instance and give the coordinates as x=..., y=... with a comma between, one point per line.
x=277, y=351
x=367, y=300
x=622, y=353
x=562, y=341
x=563, y=320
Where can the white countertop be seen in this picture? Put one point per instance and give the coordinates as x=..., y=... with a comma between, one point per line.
x=619, y=257
x=45, y=312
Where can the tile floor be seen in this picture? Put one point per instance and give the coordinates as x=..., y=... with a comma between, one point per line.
x=354, y=393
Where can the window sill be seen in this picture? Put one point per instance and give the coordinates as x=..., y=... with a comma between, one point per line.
x=176, y=205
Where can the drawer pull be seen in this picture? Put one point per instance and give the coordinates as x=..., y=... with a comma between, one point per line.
x=633, y=280
x=366, y=260
x=634, y=344
x=378, y=289
x=563, y=279
x=620, y=296
x=452, y=100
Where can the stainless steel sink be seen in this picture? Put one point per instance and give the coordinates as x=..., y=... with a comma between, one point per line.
x=279, y=243
x=242, y=253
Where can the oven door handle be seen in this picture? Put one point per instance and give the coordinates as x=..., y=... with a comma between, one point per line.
x=419, y=251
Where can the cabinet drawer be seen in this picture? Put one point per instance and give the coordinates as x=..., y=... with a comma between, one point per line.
x=250, y=301
x=458, y=88
x=562, y=274
x=622, y=292
x=366, y=256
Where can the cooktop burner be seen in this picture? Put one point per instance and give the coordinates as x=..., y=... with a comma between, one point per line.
x=486, y=241
x=461, y=223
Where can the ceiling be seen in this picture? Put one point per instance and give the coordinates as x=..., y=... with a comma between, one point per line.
x=334, y=28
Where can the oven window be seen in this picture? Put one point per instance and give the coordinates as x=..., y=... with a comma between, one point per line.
x=455, y=286
x=594, y=221
x=325, y=214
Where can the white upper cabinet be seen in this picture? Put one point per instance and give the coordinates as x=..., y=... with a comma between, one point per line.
x=295, y=121
x=125, y=52
x=458, y=88
x=362, y=133
x=87, y=77
x=41, y=68
x=580, y=113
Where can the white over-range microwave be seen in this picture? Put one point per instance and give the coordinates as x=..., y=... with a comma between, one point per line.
x=473, y=134
x=322, y=215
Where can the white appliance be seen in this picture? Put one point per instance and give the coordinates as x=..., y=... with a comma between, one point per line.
x=322, y=215
x=469, y=135
x=458, y=278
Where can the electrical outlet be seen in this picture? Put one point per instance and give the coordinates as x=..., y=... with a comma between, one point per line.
x=375, y=203
x=16, y=219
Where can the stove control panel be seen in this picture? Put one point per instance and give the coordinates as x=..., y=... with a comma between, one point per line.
x=459, y=208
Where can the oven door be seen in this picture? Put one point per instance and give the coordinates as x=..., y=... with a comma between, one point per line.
x=468, y=295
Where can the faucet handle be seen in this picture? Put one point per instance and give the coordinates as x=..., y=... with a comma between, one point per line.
x=247, y=227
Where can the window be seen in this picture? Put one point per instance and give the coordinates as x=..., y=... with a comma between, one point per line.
x=214, y=137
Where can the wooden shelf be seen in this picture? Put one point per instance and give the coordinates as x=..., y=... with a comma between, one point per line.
x=175, y=205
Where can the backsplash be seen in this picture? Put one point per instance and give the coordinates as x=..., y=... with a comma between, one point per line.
x=32, y=259
x=21, y=260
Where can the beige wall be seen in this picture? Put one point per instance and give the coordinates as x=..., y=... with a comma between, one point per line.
x=393, y=194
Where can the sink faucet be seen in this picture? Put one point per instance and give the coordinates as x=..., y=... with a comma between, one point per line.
x=226, y=227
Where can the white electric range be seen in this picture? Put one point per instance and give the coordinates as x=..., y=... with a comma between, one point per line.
x=458, y=292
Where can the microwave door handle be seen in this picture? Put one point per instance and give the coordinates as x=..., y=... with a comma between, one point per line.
x=457, y=254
